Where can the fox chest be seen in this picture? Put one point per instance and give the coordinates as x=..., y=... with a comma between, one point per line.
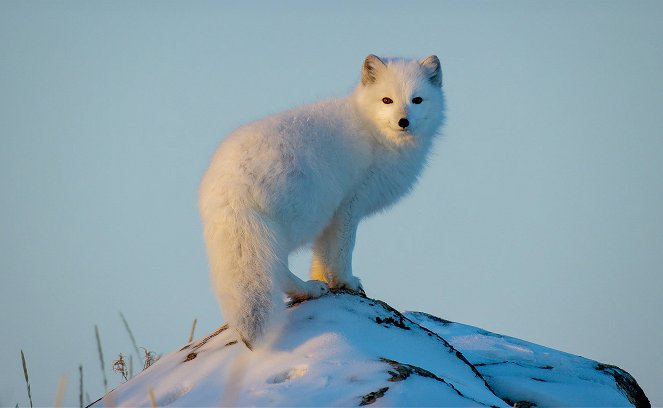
x=386, y=181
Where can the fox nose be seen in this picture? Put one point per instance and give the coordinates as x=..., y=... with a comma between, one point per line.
x=403, y=122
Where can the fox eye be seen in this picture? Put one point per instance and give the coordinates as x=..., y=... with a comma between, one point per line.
x=417, y=100
x=387, y=101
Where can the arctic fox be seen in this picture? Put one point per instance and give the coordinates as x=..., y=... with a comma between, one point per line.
x=309, y=175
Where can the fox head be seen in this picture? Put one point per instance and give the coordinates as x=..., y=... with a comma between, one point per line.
x=402, y=98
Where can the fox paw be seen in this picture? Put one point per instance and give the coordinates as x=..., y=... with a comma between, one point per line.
x=353, y=284
x=316, y=288
x=311, y=289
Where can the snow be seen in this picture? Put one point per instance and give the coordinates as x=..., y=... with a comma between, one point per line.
x=519, y=370
x=347, y=350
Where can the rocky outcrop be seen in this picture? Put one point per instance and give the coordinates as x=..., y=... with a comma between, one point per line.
x=349, y=350
x=526, y=374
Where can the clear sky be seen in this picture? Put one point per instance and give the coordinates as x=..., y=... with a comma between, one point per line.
x=540, y=215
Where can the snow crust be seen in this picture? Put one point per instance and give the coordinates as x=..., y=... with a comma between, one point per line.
x=348, y=350
x=518, y=370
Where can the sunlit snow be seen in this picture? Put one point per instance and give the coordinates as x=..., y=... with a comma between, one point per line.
x=347, y=350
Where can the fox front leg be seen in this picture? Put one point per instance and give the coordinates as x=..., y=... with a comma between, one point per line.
x=332, y=252
x=298, y=289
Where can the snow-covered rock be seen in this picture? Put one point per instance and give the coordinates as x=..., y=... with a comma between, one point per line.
x=349, y=350
x=520, y=371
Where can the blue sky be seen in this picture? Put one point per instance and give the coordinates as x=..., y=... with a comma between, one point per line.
x=540, y=215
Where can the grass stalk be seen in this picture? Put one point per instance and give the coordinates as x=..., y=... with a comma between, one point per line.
x=120, y=366
x=131, y=335
x=59, y=395
x=101, y=358
x=150, y=358
x=80, y=386
x=153, y=400
x=27, y=380
x=193, y=329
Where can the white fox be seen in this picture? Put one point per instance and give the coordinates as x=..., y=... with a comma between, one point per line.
x=309, y=175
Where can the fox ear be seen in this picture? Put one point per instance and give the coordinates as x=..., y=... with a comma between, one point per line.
x=369, y=72
x=432, y=66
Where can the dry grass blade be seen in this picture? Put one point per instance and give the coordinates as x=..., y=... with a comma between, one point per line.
x=101, y=358
x=150, y=358
x=131, y=335
x=193, y=329
x=80, y=386
x=59, y=395
x=153, y=400
x=27, y=380
x=120, y=366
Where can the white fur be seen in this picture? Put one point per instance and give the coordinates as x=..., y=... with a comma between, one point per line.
x=310, y=175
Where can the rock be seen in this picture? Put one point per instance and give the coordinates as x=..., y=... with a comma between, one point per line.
x=350, y=350
x=521, y=373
